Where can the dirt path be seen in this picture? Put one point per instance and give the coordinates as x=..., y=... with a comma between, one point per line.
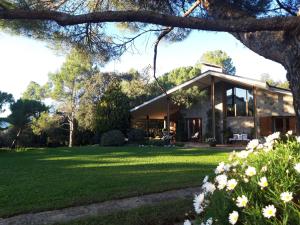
x=97, y=209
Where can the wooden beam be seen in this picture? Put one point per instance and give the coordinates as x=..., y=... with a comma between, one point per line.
x=224, y=108
x=147, y=126
x=212, y=93
x=255, y=112
x=168, y=115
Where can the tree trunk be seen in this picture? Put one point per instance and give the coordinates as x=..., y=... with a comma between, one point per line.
x=293, y=76
x=15, y=141
x=280, y=46
x=71, y=130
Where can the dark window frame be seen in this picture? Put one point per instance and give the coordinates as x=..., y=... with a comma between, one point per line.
x=231, y=107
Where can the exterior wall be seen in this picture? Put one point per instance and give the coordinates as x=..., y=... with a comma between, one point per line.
x=274, y=104
x=241, y=124
x=268, y=104
x=200, y=109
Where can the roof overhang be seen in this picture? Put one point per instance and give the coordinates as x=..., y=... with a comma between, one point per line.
x=157, y=107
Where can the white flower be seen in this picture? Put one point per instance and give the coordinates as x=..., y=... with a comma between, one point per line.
x=227, y=167
x=289, y=133
x=253, y=144
x=246, y=180
x=187, y=222
x=199, y=203
x=264, y=169
x=250, y=171
x=231, y=184
x=273, y=137
x=298, y=139
x=208, y=187
x=263, y=182
x=205, y=179
x=242, y=201
x=260, y=147
x=233, y=217
x=222, y=181
x=220, y=168
x=209, y=221
x=297, y=167
x=269, y=211
x=286, y=196
x=268, y=146
x=243, y=154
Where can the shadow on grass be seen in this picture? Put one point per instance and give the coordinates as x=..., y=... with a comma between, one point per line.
x=42, y=179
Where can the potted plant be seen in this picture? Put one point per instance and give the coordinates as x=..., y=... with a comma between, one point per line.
x=211, y=141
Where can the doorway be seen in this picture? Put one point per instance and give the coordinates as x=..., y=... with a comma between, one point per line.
x=194, y=129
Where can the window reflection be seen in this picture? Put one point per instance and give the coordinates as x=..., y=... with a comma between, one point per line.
x=240, y=102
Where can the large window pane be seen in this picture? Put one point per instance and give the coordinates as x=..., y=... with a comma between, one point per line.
x=240, y=101
x=250, y=103
x=230, y=102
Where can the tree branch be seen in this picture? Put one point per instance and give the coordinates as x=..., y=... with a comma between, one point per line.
x=285, y=8
x=237, y=25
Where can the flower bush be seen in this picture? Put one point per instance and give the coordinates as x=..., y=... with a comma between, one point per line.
x=259, y=185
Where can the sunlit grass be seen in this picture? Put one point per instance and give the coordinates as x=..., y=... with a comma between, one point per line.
x=40, y=179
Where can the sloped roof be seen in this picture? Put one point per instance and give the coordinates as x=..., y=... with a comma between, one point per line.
x=203, y=80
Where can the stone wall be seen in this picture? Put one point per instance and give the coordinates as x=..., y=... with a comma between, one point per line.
x=274, y=104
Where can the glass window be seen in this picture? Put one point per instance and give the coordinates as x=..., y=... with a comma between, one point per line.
x=230, y=102
x=240, y=102
x=250, y=103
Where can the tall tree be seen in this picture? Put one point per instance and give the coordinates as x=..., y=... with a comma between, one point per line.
x=67, y=86
x=22, y=113
x=34, y=91
x=268, y=27
x=113, y=109
x=220, y=58
x=5, y=99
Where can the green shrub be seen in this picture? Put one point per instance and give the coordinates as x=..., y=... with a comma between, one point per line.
x=260, y=185
x=158, y=142
x=136, y=136
x=112, y=138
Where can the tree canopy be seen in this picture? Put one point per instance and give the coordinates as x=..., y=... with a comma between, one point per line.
x=268, y=27
x=5, y=99
x=220, y=58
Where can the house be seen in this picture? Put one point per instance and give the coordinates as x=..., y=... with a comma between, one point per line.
x=234, y=104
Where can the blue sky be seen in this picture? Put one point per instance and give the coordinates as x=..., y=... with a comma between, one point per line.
x=24, y=60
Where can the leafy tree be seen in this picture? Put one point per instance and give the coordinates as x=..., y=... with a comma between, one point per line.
x=94, y=89
x=136, y=86
x=5, y=99
x=281, y=84
x=23, y=111
x=179, y=76
x=67, y=86
x=113, y=110
x=268, y=27
x=34, y=91
x=220, y=58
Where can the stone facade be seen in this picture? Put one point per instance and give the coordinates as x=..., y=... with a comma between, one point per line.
x=268, y=104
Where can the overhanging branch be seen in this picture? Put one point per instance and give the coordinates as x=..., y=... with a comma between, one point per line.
x=237, y=25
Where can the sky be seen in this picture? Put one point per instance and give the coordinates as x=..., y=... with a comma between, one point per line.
x=23, y=60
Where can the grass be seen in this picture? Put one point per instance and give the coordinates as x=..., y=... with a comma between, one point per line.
x=40, y=179
x=160, y=214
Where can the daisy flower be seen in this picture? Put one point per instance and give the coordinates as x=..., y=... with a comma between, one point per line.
x=263, y=182
x=231, y=184
x=233, y=217
x=250, y=171
x=222, y=181
x=242, y=201
x=297, y=167
x=286, y=196
x=187, y=222
x=269, y=211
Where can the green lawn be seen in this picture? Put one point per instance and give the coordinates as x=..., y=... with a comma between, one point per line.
x=40, y=179
x=165, y=213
